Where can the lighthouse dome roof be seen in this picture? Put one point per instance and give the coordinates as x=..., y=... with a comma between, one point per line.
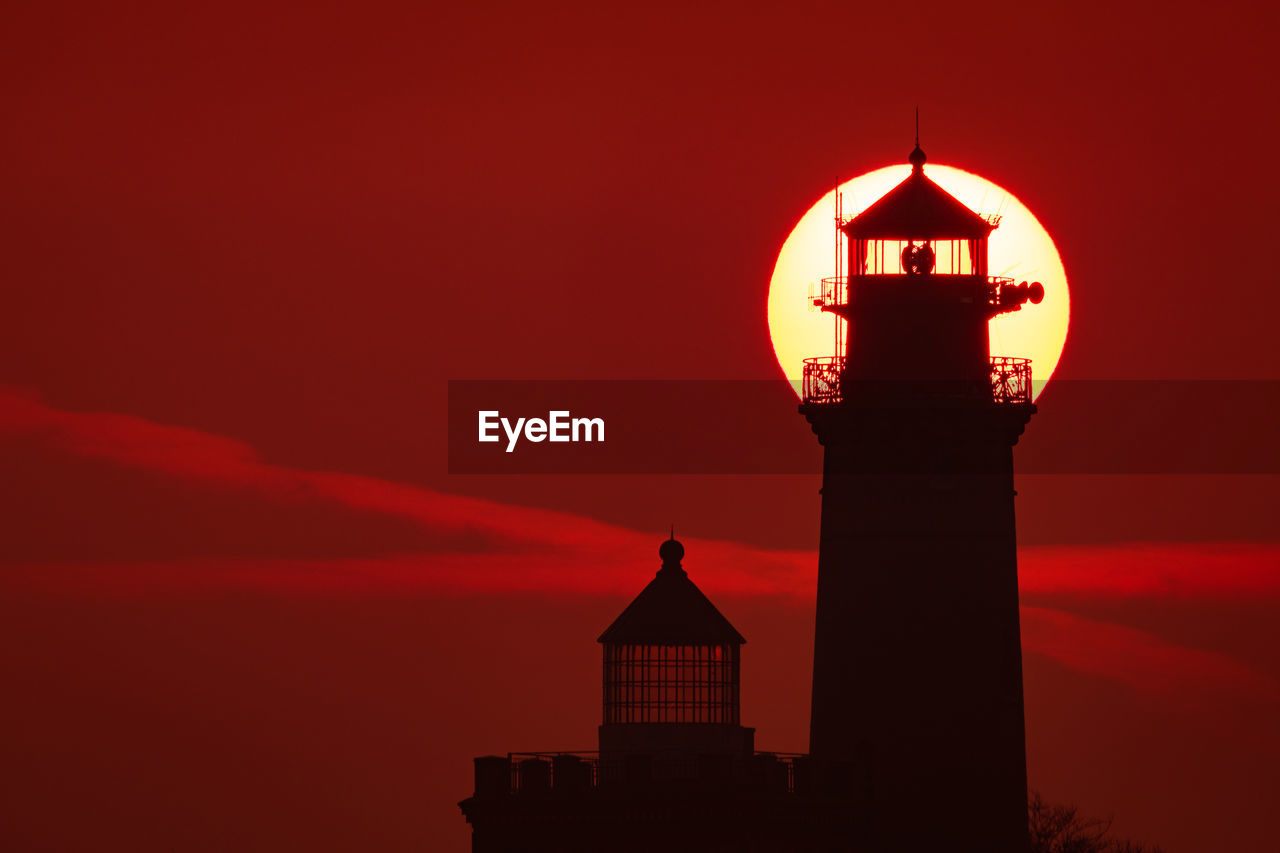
x=917, y=209
x=671, y=611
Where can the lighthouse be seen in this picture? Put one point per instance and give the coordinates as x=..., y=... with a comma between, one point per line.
x=917, y=712
x=917, y=733
x=675, y=769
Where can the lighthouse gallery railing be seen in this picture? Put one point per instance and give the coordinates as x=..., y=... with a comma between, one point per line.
x=573, y=772
x=1010, y=381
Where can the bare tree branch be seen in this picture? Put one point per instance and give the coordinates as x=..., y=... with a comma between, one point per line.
x=1062, y=829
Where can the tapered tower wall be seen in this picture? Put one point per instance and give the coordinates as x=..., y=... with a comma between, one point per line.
x=917, y=713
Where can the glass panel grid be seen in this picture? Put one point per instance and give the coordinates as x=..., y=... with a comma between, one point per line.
x=671, y=684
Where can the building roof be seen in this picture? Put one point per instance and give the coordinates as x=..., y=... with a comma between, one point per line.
x=671, y=611
x=917, y=209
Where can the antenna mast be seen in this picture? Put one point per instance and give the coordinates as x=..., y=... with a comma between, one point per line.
x=839, y=282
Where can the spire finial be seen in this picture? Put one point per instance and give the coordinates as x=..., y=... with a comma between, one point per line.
x=671, y=552
x=917, y=158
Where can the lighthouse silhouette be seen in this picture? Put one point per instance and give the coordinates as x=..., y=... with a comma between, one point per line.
x=917, y=740
x=917, y=710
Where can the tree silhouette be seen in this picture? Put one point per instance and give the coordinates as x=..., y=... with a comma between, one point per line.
x=1062, y=829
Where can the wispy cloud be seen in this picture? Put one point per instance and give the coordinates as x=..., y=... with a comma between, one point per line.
x=546, y=552
x=1139, y=658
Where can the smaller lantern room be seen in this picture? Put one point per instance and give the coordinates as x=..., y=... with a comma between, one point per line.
x=671, y=671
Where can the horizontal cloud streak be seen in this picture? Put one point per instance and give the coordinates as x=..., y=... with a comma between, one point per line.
x=1147, y=570
x=1139, y=658
x=1115, y=652
x=1154, y=570
x=535, y=551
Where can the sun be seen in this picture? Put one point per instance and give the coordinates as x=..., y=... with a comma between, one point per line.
x=1019, y=248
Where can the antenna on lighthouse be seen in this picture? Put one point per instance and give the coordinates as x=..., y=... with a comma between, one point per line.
x=838, y=279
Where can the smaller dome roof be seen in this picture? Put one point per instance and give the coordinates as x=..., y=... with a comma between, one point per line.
x=671, y=611
x=671, y=551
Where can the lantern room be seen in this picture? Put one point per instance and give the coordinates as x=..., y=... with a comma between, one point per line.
x=918, y=228
x=915, y=305
x=672, y=671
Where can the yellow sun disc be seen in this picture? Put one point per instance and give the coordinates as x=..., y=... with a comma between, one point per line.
x=1020, y=248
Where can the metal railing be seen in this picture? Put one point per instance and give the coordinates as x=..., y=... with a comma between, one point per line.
x=822, y=379
x=834, y=290
x=575, y=772
x=831, y=291
x=1010, y=381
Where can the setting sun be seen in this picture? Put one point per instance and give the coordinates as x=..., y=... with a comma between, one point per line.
x=1020, y=248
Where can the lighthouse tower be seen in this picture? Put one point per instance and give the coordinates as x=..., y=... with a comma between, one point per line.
x=917, y=714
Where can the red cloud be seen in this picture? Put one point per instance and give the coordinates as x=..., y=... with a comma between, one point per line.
x=1138, y=658
x=1153, y=570
x=564, y=540
x=548, y=552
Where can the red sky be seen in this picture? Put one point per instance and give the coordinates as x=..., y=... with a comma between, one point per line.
x=243, y=602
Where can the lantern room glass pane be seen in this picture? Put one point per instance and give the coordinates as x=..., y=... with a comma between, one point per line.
x=671, y=684
x=885, y=257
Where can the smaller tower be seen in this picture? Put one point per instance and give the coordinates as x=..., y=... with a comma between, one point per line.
x=675, y=771
x=671, y=672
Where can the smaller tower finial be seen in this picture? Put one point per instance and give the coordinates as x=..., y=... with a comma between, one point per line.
x=671, y=552
x=917, y=158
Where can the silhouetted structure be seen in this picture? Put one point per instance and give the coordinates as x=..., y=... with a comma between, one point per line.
x=917, y=739
x=671, y=672
x=917, y=681
x=675, y=770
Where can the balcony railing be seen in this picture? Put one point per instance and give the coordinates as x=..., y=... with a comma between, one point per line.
x=822, y=379
x=834, y=291
x=1010, y=382
x=831, y=291
x=575, y=772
